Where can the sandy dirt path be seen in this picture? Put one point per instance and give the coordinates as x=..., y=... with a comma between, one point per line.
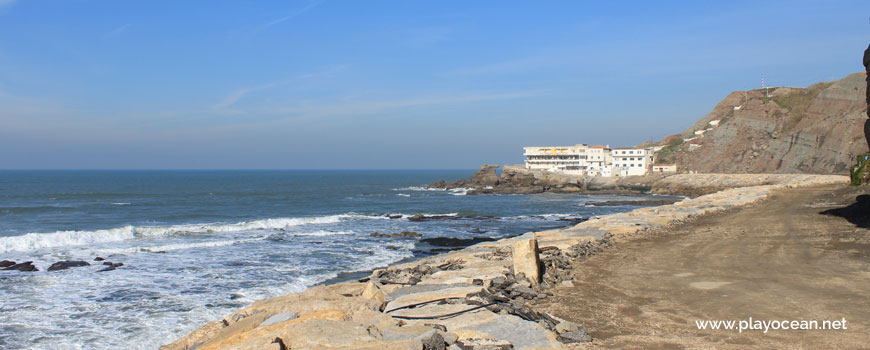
x=779, y=260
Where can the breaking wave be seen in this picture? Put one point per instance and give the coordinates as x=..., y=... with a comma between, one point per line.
x=34, y=241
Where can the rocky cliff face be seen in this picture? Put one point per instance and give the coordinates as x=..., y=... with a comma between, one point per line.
x=819, y=129
x=814, y=130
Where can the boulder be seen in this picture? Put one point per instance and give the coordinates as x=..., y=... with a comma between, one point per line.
x=26, y=266
x=6, y=263
x=374, y=292
x=526, y=260
x=433, y=340
x=486, y=176
x=63, y=265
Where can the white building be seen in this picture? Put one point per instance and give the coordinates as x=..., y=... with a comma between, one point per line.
x=566, y=159
x=664, y=168
x=631, y=161
x=598, y=161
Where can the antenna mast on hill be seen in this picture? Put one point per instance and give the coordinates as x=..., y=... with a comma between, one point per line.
x=766, y=89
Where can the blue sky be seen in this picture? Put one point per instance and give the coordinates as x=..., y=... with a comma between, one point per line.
x=386, y=84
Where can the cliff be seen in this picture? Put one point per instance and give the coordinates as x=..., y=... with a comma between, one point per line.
x=819, y=129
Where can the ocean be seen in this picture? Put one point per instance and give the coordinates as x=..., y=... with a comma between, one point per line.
x=197, y=245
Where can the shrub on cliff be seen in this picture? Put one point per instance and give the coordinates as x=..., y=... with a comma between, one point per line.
x=861, y=170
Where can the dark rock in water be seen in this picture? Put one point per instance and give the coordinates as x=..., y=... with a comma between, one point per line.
x=110, y=266
x=63, y=265
x=407, y=234
x=478, y=230
x=439, y=184
x=394, y=216
x=403, y=234
x=6, y=263
x=99, y=259
x=421, y=217
x=26, y=266
x=455, y=242
x=646, y=202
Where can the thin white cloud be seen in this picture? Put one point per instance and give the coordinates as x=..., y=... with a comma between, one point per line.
x=374, y=107
x=117, y=31
x=235, y=96
x=287, y=17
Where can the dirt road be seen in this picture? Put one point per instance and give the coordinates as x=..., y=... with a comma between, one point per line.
x=780, y=260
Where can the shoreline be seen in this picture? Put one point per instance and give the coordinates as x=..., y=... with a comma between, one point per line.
x=349, y=314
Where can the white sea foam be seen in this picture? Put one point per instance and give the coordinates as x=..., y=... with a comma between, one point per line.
x=321, y=233
x=121, y=203
x=454, y=191
x=403, y=195
x=179, y=246
x=34, y=241
x=418, y=188
x=460, y=191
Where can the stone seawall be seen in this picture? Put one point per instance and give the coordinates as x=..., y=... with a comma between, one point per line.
x=471, y=298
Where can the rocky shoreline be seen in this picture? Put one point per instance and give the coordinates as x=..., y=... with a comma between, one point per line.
x=474, y=298
x=516, y=179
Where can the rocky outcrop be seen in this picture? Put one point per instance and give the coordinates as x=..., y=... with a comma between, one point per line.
x=818, y=130
x=689, y=185
x=26, y=266
x=471, y=298
x=516, y=179
x=63, y=265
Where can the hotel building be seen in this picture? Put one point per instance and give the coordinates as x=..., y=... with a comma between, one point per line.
x=596, y=160
x=566, y=159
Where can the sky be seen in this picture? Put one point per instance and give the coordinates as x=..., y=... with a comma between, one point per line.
x=215, y=84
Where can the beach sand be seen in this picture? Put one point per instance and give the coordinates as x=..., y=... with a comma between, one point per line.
x=778, y=260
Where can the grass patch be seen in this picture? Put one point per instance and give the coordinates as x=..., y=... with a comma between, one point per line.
x=798, y=103
x=666, y=154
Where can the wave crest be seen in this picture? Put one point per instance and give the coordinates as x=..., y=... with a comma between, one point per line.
x=34, y=241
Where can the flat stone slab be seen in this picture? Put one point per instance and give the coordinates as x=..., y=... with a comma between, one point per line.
x=421, y=288
x=521, y=333
x=416, y=298
x=284, y=316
